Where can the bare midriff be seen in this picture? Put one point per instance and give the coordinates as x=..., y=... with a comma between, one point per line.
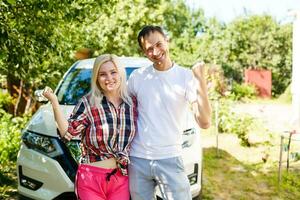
x=107, y=164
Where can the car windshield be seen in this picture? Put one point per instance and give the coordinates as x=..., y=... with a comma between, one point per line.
x=76, y=84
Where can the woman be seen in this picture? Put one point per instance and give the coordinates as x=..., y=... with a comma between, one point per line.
x=106, y=120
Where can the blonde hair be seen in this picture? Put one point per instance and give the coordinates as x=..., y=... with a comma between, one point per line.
x=96, y=94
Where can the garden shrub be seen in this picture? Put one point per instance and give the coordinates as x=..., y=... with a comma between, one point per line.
x=230, y=122
x=5, y=100
x=243, y=91
x=10, y=133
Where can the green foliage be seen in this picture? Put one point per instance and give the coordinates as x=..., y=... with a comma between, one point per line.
x=38, y=38
x=241, y=128
x=31, y=43
x=230, y=122
x=185, y=44
x=250, y=42
x=10, y=132
x=5, y=100
x=212, y=42
x=260, y=42
x=225, y=120
x=243, y=91
x=289, y=184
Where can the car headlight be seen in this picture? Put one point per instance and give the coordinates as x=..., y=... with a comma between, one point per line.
x=46, y=145
x=189, y=137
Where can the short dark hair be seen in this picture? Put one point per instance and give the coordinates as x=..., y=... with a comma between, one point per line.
x=146, y=30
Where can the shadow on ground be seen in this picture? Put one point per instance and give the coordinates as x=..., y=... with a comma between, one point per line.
x=225, y=177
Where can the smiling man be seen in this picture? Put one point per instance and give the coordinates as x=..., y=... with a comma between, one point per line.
x=164, y=92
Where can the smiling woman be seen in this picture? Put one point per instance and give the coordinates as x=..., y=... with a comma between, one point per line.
x=109, y=78
x=105, y=119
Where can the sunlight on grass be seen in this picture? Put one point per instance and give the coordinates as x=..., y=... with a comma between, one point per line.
x=225, y=177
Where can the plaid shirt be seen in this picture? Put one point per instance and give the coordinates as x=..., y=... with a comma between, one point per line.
x=108, y=131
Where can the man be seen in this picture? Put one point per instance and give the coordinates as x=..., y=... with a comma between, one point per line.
x=164, y=92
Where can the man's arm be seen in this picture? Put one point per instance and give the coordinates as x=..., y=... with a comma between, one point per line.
x=201, y=107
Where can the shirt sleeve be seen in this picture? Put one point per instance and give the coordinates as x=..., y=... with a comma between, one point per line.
x=78, y=117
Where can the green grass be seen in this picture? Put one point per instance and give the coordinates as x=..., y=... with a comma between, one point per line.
x=225, y=177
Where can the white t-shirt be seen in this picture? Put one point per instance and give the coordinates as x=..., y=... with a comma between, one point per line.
x=163, y=100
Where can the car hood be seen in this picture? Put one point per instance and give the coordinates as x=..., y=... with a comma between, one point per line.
x=43, y=121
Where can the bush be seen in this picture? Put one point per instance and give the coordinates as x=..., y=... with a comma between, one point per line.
x=230, y=122
x=10, y=132
x=5, y=100
x=243, y=91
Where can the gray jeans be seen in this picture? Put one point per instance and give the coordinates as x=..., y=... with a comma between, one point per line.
x=168, y=174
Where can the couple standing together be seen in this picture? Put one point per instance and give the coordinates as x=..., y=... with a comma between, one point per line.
x=145, y=116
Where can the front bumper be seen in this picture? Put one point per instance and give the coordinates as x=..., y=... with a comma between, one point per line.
x=41, y=177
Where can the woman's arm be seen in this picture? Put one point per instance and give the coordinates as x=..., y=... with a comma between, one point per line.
x=61, y=121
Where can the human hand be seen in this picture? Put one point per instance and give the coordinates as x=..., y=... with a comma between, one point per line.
x=199, y=70
x=48, y=94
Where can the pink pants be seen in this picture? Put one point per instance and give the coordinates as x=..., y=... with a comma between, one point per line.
x=91, y=183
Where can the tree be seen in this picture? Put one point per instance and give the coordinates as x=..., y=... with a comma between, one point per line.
x=39, y=37
x=250, y=42
x=183, y=26
x=32, y=45
x=260, y=42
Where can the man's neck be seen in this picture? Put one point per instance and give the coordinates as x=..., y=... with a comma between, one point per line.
x=163, y=66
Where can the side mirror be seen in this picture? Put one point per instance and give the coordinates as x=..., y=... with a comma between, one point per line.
x=38, y=95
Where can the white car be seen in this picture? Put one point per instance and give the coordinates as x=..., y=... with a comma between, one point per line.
x=47, y=167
